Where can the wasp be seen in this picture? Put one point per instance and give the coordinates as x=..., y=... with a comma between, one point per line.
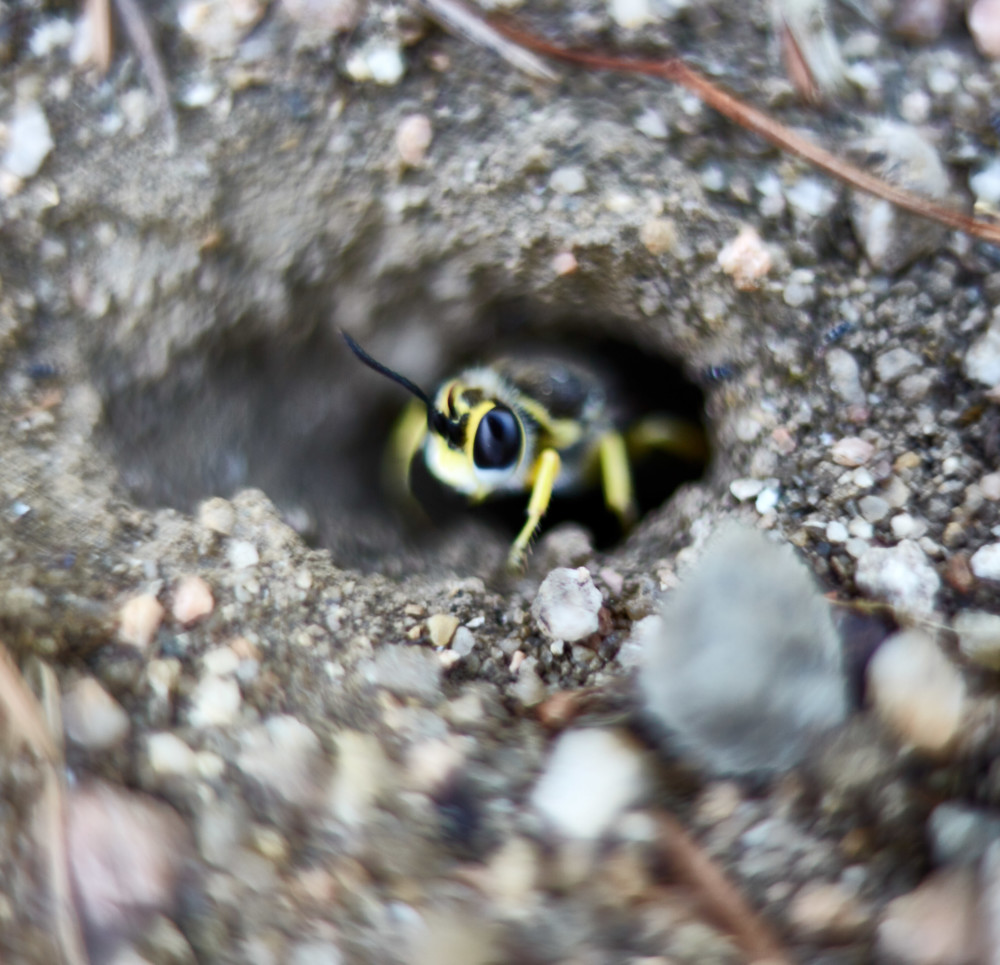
x=540, y=426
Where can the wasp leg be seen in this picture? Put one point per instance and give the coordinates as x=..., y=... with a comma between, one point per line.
x=543, y=478
x=407, y=437
x=616, y=478
x=678, y=437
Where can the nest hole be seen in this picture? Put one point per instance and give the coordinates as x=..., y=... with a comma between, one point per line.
x=306, y=423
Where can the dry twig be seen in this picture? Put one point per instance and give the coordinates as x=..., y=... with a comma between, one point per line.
x=720, y=900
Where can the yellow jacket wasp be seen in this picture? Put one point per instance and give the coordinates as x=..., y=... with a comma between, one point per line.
x=537, y=426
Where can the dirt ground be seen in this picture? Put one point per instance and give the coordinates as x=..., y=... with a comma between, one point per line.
x=350, y=734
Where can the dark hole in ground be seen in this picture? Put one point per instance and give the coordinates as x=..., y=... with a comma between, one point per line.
x=308, y=425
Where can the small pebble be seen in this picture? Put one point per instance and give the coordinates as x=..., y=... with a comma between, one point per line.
x=218, y=26
x=413, y=138
x=631, y=14
x=92, y=717
x=564, y=263
x=463, y=642
x=851, y=451
x=983, y=17
x=836, y=532
x=744, y=489
x=441, y=628
x=920, y=21
x=767, y=501
x=284, y=757
x=979, y=637
x=362, y=772
x=242, y=554
x=811, y=198
x=845, y=376
x=936, y=924
x=800, y=289
x=529, y=688
x=890, y=238
x=169, y=756
x=192, y=600
x=745, y=259
x=218, y=515
x=651, y=123
x=139, y=619
x=126, y=854
x=905, y=526
x=658, y=235
x=985, y=562
x=568, y=180
x=408, y=672
x=901, y=575
x=982, y=360
x=892, y=365
x=990, y=486
x=591, y=777
x=319, y=21
x=916, y=691
x=985, y=184
x=747, y=636
x=378, y=61
x=827, y=912
x=215, y=702
x=567, y=604
x=873, y=508
x=28, y=142
x=959, y=834
x=221, y=662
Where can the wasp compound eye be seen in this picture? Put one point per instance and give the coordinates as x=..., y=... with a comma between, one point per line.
x=498, y=440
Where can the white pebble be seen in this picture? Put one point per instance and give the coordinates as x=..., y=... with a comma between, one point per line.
x=979, y=637
x=192, y=600
x=50, y=35
x=892, y=365
x=568, y=180
x=631, y=14
x=985, y=562
x=747, y=636
x=983, y=17
x=800, y=289
x=242, y=554
x=936, y=924
x=982, y=360
x=905, y=526
x=215, y=702
x=651, y=123
x=766, y=501
x=845, y=376
x=169, y=756
x=851, y=451
x=221, y=662
x=378, y=61
x=463, y=642
x=811, y=198
x=139, y=619
x=916, y=691
x=218, y=26
x=744, y=489
x=901, y=575
x=567, y=604
x=985, y=184
x=836, y=532
x=413, y=138
x=284, y=757
x=873, y=508
x=590, y=778
x=990, y=485
x=92, y=717
x=28, y=141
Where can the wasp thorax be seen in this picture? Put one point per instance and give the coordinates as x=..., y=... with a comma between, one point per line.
x=498, y=440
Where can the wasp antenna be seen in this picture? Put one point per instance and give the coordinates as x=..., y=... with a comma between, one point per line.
x=387, y=372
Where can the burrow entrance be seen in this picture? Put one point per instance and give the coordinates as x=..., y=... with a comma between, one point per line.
x=306, y=423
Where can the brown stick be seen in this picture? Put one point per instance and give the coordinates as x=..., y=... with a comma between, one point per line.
x=676, y=71
x=721, y=901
